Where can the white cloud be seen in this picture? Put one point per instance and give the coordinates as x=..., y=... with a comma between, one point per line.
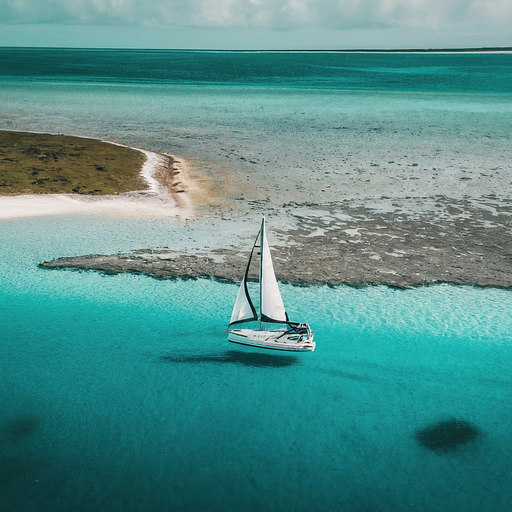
x=276, y=14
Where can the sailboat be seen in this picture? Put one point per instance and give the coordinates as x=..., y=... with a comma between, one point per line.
x=293, y=336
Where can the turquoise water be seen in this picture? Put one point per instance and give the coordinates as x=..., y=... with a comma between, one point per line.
x=464, y=73
x=122, y=393
x=266, y=106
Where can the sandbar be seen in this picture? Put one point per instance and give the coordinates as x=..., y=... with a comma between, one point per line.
x=455, y=242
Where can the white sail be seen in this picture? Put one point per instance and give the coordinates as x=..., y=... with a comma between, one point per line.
x=243, y=310
x=272, y=307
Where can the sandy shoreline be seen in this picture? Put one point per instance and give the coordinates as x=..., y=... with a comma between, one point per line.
x=157, y=201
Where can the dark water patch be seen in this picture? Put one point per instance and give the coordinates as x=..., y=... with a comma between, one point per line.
x=17, y=456
x=17, y=467
x=20, y=427
x=235, y=357
x=447, y=436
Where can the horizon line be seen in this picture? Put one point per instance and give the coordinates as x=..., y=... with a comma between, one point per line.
x=305, y=50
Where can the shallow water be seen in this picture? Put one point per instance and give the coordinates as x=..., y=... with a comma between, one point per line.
x=122, y=393
x=331, y=125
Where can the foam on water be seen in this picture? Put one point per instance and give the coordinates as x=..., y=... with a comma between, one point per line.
x=122, y=393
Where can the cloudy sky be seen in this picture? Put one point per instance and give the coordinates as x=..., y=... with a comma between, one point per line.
x=256, y=24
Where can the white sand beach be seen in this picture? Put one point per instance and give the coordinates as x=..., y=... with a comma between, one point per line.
x=156, y=201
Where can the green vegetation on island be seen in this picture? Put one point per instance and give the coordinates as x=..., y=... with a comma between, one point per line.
x=32, y=163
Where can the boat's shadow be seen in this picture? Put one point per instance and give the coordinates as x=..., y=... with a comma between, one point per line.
x=236, y=357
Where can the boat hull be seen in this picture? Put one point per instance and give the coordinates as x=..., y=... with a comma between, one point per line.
x=274, y=340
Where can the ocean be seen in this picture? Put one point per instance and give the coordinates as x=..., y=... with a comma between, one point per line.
x=122, y=392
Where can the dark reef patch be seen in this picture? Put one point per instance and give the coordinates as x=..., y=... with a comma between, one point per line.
x=369, y=247
x=447, y=436
x=18, y=453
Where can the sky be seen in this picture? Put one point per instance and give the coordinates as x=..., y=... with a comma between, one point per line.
x=256, y=24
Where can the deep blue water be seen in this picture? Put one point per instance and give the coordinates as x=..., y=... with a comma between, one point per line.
x=122, y=393
x=460, y=73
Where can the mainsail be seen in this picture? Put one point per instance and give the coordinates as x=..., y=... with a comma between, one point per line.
x=271, y=303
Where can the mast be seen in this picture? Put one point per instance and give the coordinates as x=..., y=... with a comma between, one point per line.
x=262, y=233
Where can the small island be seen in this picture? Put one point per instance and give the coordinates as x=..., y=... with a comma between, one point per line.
x=34, y=163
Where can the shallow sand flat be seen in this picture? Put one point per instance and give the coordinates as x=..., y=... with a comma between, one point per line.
x=379, y=203
x=319, y=146
x=343, y=243
x=352, y=146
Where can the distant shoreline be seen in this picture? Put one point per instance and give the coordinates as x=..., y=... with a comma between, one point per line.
x=489, y=49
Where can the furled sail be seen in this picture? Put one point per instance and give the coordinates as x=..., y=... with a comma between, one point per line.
x=244, y=310
x=272, y=307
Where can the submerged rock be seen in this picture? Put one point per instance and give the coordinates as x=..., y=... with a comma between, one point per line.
x=447, y=436
x=19, y=427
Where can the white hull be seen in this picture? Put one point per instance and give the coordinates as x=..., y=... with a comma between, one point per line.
x=280, y=339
